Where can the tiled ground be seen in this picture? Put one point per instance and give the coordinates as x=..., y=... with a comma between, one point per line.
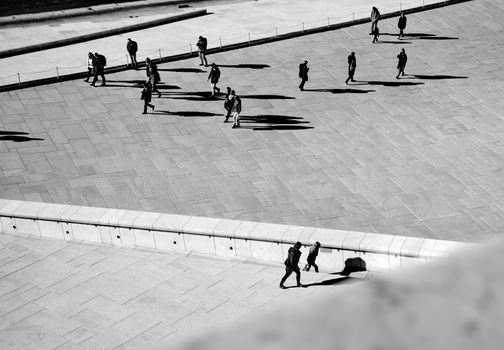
x=59, y=295
x=421, y=156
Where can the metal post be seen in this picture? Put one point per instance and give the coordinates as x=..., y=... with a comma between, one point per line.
x=127, y=61
x=400, y=6
x=190, y=47
x=160, y=54
x=303, y=26
x=353, y=16
x=19, y=79
x=249, y=38
x=57, y=72
x=328, y=21
x=423, y=3
x=220, y=43
x=276, y=31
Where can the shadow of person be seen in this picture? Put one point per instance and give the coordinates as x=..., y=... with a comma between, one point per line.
x=393, y=42
x=342, y=91
x=329, y=282
x=245, y=65
x=187, y=113
x=182, y=70
x=393, y=83
x=268, y=97
x=437, y=77
x=17, y=138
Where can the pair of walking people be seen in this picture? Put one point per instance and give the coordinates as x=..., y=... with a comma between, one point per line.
x=233, y=106
x=292, y=262
x=96, y=67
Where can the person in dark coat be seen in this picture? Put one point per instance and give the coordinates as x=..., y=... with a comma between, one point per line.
x=213, y=78
x=132, y=48
x=312, y=256
x=146, y=97
x=352, y=64
x=90, y=66
x=99, y=68
x=228, y=103
x=154, y=77
x=375, y=16
x=202, y=47
x=376, y=34
x=401, y=24
x=236, y=109
x=291, y=265
x=303, y=74
x=401, y=64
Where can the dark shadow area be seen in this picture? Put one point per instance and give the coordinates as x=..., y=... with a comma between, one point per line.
x=352, y=265
x=197, y=95
x=268, y=97
x=182, y=70
x=16, y=136
x=168, y=87
x=393, y=42
x=437, y=77
x=186, y=113
x=135, y=81
x=250, y=66
x=393, y=83
x=273, y=122
x=342, y=91
x=328, y=282
x=422, y=36
x=119, y=85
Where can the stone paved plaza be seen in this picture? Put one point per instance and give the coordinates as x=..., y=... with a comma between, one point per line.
x=60, y=295
x=419, y=156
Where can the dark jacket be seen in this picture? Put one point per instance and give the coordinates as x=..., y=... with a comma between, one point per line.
x=352, y=62
x=402, y=22
x=375, y=15
x=100, y=61
x=402, y=59
x=202, y=44
x=132, y=47
x=292, y=260
x=228, y=101
x=214, y=75
x=312, y=255
x=303, y=71
x=146, y=94
x=236, y=105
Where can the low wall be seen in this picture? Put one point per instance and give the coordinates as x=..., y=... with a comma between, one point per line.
x=221, y=237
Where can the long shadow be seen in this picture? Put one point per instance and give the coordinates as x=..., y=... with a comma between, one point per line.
x=329, y=282
x=121, y=85
x=250, y=66
x=168, y=87
x=17, y=136
x=342, y=91
x=268, y=97
x=135, y=81
x=274, y=122
x=393, y=83
x=438, y=77
x=422, y=36
x=182, y=70
x=393, y=42
x=187, y=113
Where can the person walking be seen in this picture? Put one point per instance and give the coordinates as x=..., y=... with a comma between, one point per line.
x=291, y=265
x=312, y=256
x=202, y=46
x=401, y=24
x=401, y=64
x=132, y=48
x=375, y=17
x=90, y=66
x=352, y=64
x=376, y=34
x=236, y=109
x=303, y=74
x=154, y=77
x=228, y=103
x=147, y=97
x=99, y=68
x=213, y=78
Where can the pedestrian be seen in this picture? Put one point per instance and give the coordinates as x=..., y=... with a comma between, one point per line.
x=228, y=103
x=154, y=77
x=132, y=48
x=202, y=46
x=99, y=68
x=375, y=16
x=401, y=64
x=147, y=97
x=236, y=109
x=303, y=74
x=401, y=24
x=90, y=66
x=352, y=64
x=312, y=256
x=376, y=34
x=147, y=66
x=291, y=265
x=213, y=78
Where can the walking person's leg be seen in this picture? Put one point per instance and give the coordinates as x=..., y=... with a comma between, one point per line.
x=298, y=277
x=315, y=266
x=204, y=57
x=102, y=74
x=145, y=107
x=288, y=272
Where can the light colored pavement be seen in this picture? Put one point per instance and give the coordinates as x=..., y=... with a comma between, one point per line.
x=231, y=22
x=420, y=156
x=60, y=295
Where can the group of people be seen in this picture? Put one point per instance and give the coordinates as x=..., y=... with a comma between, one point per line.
x=375, y=31
x=292, y=262
x=96, y=67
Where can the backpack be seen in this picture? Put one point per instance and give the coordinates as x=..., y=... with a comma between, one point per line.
x=102, y=60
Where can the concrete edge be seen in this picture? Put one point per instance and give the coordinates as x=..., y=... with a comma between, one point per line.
x=102, y=34
x=224, y=48
x=88, y=11
x=221, y=237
